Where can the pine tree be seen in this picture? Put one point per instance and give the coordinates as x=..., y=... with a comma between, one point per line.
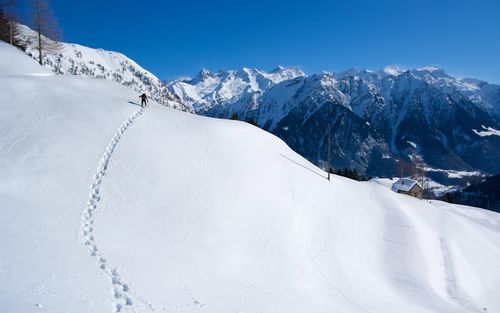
x=252, y=121
x=448, y=197
x=355, y=175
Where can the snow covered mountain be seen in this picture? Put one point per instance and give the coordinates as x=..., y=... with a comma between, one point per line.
x=378, y=119
x=74, y=59
x=482, y=93
x=106, y=207
x=233, y=91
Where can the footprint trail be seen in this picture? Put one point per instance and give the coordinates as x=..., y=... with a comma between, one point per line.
x=120, y=290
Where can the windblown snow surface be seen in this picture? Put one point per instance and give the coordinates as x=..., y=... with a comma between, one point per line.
x=107, y=207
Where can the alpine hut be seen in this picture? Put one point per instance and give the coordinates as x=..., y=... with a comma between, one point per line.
x=408, y=186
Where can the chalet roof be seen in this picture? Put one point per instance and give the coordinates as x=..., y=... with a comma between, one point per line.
x=404, y=184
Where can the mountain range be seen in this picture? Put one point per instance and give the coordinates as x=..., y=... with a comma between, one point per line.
x=381, y=122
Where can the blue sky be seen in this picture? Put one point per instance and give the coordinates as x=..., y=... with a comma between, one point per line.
x=177, y=38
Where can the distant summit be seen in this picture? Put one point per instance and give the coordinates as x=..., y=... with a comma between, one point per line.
x=209, y=90
x=393, y=70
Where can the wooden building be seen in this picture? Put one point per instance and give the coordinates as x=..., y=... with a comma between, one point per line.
x=408, y=187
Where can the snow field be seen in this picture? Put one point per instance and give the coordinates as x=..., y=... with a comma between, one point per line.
x=192, y=214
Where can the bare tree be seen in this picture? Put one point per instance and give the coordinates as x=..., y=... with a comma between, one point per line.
x=8, y=26
x=420, y=174
x=405, y=168
x=4, y=26
x=46, y=27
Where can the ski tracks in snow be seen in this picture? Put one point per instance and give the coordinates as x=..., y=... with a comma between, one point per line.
x=453, y=289
x=120, y=290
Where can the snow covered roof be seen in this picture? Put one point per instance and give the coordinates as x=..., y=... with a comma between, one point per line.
x=404, y=184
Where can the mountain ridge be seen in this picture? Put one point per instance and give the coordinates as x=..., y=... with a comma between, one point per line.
x=75, y=59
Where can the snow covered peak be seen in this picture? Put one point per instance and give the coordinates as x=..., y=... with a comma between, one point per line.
x=208, y=90
x=202, y=75
x=278, y=68
x=204, y=72
x=473, y=81
x=349, y=72
x=285, y=73
x=393, y=70
x=288, y=72
x=396, y=70
x=432, y=71
x=428, y=68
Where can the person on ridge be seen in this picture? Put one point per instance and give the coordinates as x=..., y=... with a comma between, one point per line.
x=144, y=99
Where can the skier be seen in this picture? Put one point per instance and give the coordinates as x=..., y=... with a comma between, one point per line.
x=144, y=99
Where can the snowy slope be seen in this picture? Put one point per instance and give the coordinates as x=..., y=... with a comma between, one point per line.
x=74, y=59
x=107, y=207
x=24, y=67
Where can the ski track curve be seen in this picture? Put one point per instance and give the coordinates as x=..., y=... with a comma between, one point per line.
x=120, y=290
